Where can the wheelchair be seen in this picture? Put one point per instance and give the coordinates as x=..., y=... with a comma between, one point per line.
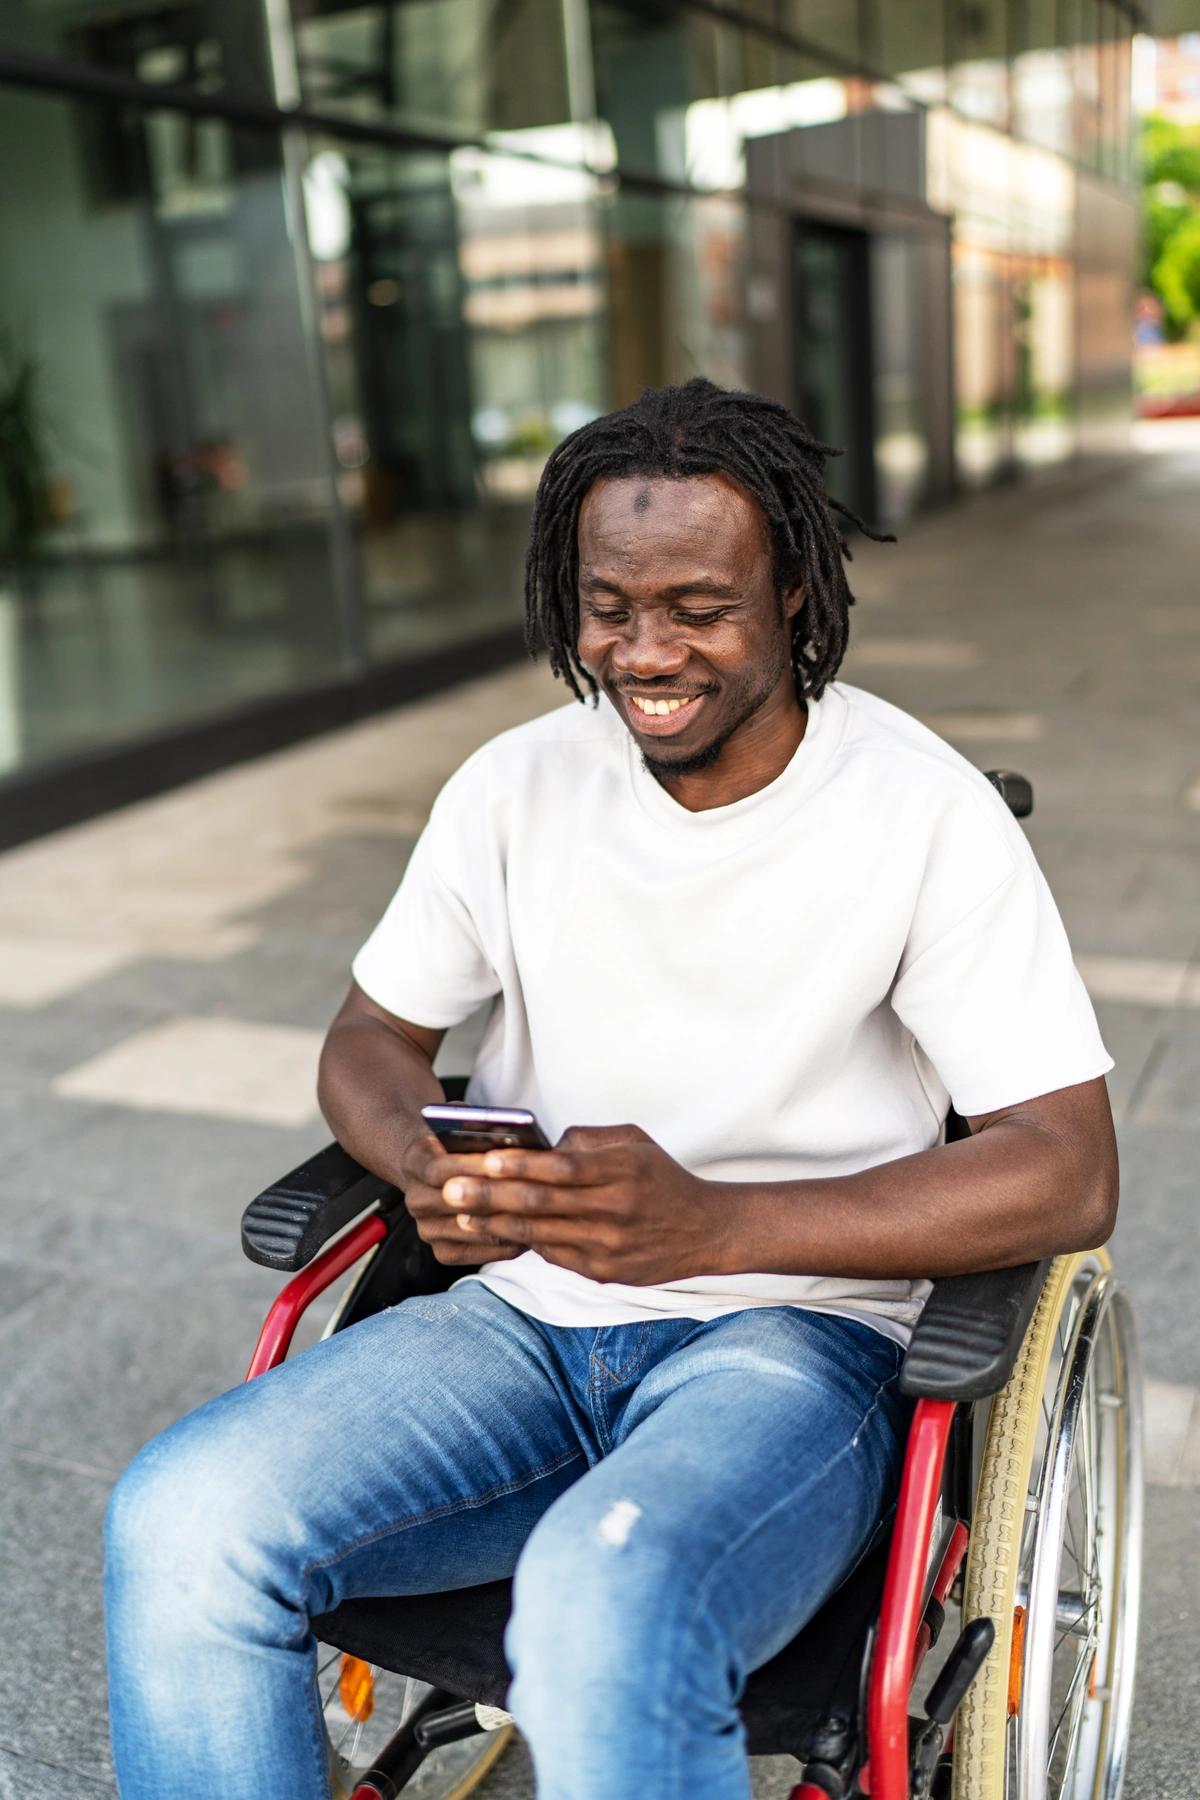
x=1019, y=1516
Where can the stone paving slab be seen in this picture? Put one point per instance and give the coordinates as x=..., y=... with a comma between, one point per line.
x=21, y=1776
x=50, y=1525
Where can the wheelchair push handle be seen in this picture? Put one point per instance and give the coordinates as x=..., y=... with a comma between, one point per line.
x=1015, y=790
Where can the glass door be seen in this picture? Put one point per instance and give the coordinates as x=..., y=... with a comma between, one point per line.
x=833, y=360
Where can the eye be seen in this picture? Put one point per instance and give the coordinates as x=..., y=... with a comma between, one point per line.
x=709, y=618
x=609, y=615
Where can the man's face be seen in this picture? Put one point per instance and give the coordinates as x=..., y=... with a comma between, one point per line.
x=677, y=603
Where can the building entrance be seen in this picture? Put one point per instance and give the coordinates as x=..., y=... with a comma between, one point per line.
x=834, y=354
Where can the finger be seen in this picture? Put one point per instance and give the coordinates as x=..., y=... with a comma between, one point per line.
x=448, y=1236
x=424, y=1202
x=470, y=1256
x=564, y=1168
x=487, y=1199
x=601, y=1137
x=525, y=1230
x=442, y=1167
x=437, y=1220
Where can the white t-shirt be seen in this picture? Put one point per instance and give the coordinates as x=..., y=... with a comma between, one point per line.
x=795, y=985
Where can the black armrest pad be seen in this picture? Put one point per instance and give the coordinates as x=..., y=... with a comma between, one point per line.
x=968, y=1336
x=288, y=1223
x=291, y=1220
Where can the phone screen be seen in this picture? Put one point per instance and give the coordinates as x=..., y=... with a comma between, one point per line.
x=470, y=1130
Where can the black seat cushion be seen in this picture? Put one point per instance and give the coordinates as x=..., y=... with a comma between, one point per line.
x=455, y=1641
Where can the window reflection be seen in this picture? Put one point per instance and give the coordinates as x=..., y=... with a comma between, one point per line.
x=978, y=47
x=900, y=400
x=686, y=96
x=179, y=559
x=1043, y=304
x=652, y=66
x=677, y=291
x=228, y=397
x=191, y=43
x=463, y=331
x=981, y=372
x=449, y=66
x=1082, y=26
x=832, y=25
x=1042, y=91
x=908, y=42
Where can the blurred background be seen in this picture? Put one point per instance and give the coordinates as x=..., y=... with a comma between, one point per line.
x=293, y=303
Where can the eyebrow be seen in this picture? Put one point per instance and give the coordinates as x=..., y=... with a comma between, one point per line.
x=703, y=584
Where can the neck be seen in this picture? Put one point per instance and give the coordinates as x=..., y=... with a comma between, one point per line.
x=752, y=757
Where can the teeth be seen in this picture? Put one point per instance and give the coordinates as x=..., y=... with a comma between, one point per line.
x=659, y=708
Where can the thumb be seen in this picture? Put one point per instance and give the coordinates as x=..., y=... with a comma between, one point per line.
x=601, y=1137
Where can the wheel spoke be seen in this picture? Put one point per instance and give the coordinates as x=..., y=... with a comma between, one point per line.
x=1069, y=1543
x=1072, y=1629
x=1088, y=1470
x=1073, y=1740
x=1082, y=1663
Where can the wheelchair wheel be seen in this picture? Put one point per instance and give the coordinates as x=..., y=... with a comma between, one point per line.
x=1055, y=1554
x=349, y=1690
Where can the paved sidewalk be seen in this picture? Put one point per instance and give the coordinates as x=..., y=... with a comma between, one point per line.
x=166, y=975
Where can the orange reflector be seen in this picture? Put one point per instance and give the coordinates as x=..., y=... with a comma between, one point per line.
x=356, y=1689
x=1092, y=1675
x=1016, y=1661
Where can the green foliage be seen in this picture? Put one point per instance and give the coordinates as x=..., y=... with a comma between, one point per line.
x=531, y=436
x=1170, y=161
x=1161, y=219
x=1176, y=274
x=24, y=472
x=1170, y=152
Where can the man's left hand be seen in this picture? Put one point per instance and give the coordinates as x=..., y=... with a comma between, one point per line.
x=607, y=1201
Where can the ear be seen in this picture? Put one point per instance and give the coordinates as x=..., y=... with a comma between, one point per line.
x=792, y=600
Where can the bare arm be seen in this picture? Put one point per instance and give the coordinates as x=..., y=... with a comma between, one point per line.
x=1031, y=1180
x=375, y=1075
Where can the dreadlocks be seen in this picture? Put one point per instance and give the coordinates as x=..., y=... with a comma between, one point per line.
x=698, y=429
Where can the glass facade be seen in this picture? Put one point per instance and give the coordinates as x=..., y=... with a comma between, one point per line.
x=294, y=303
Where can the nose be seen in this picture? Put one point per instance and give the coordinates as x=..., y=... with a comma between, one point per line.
x=648, y=648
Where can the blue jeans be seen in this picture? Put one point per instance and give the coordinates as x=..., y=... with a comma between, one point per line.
x=676, y=1499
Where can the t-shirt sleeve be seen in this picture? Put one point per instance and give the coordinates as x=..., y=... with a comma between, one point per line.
x=987, y=984
x=427, y=959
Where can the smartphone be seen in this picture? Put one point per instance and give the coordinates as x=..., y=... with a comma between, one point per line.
x=470, y=1130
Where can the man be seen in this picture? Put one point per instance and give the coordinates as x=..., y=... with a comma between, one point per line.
x=745, y=933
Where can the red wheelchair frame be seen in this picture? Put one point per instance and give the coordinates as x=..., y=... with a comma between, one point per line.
x=904, y=1632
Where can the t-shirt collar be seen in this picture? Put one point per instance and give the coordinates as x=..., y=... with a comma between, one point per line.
x=826, y=722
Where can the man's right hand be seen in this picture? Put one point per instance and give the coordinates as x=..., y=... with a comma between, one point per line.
x=376, y=1073
x=424, y=1170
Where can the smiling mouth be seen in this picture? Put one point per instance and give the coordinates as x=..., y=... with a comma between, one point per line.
x=660, y=718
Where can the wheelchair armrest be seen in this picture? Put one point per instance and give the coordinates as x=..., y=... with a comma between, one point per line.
x=967, y=1338
x=289, y=1221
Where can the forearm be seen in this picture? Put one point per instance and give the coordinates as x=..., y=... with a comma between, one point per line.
x=1012, y=1193
x=371, y=1086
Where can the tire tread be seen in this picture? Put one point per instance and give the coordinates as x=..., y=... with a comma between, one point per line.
x=998, y=1512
